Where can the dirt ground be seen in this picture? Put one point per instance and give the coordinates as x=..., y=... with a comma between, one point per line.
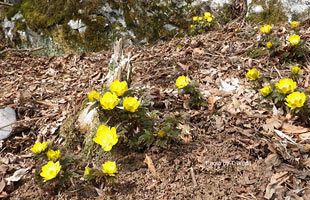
x=227, y=150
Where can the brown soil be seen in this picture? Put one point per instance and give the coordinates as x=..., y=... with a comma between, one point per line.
x=228, y=150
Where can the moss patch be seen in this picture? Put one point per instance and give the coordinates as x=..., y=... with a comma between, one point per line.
x=42, y=14
x=273, y=12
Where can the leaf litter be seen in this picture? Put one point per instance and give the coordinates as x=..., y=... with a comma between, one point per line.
x=233, y=148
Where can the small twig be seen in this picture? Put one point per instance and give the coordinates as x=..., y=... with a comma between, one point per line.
x=193, y=176
x=25, y=120
x=277, y=71
x=5, y=4
x=20, y=50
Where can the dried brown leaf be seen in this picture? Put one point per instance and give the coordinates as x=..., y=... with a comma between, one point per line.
x=275, y=183
x=304, y=136
x=2, y=185
x=150, y=165
x=289, y=128
x=272, y=160
x=211, y=103
x=271, y=124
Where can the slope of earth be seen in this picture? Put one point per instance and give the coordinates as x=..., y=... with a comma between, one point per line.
x=228, y=149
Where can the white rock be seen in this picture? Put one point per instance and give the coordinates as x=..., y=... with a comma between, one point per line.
x=229, y=85
x=77, y=25
x=88, y=119
x=257, y=9
x=7, y=119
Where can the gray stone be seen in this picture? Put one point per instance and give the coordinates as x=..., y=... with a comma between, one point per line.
x=7, y=119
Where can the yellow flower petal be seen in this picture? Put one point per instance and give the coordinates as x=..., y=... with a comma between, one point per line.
x=106, y=137
x=119, y=88
x=253, y=74
x=265, y=29
x=269, y=45
x=294, y=39
x=182, y=82
x=53, y=155
x=50, y=170
x=109, y=101
x=93, y=95
x=109, y=168
x=295, y=100
x=296, y=70
x=39, y=147
x=294, y=24
x=265, y=91
x=131, y=104
x=286, y=86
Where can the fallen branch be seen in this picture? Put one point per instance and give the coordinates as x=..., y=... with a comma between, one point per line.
x=5, y=4
x=193, y=176
x=20, y=50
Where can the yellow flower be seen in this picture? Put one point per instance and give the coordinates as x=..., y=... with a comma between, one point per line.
x=294, y=39
x=39, y=147
x=87, y=171
x=209, y=19
x=296, y=70
x=269, y=45
x=265, y=29
x=93, y=95
x=161, y=134
x=286, y=86
x=108, y=101
x=294, y=24
x=182, y=82
x=295, y=100
x=208, y=16
x=50, y=170
x=131, y=104
x=265, y=91
x=53, y=155
x=106, y=137
x=109, y=168
x=253, y=74
x=195, y=18
x=119, y=88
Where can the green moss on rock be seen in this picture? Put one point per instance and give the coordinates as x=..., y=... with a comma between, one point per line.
x=42, y=14
x=273, y=12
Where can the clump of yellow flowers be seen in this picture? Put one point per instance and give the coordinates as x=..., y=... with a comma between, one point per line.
x=109, y=168
x=106, y=137
x=201, y=23
x=50, y=170
x=184, y=85
x=284, y=93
